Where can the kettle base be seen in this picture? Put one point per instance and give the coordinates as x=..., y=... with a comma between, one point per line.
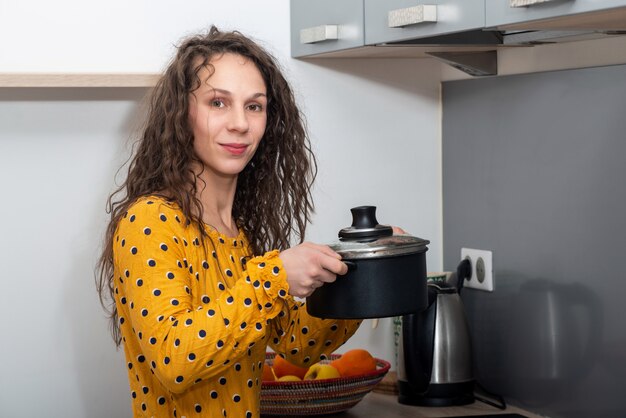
x=448, y=394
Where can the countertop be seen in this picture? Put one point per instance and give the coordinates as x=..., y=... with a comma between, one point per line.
x=383, y=403
x=386, y=406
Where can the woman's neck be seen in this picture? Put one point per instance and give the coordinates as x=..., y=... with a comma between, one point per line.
x=217, y=194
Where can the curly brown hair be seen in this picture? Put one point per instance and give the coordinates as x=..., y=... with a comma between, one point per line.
x=273, y=198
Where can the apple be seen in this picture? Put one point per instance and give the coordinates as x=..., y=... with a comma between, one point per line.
x=289, y=378
x=321, y=371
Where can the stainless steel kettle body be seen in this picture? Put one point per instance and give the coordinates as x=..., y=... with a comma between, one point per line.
x=435, y=353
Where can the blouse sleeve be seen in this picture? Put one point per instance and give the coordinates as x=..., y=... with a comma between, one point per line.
x=182, y=342
x=304, y=339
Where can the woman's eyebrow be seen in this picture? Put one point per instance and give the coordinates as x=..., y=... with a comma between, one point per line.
x=223, y=92
x=220, y=91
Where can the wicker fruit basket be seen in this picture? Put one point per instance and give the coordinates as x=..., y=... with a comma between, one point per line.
x=318, y=397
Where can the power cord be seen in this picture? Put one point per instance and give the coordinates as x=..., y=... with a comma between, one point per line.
x=463, y=271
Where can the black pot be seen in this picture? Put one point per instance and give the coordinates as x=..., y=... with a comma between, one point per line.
x=386, y=273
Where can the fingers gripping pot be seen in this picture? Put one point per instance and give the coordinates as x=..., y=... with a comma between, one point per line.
x=386, y=273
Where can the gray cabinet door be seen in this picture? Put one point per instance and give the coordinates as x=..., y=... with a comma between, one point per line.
x=501, y=12
x=325, y=26
x=399, y=20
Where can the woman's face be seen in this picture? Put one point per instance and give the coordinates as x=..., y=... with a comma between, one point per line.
x=228, y=114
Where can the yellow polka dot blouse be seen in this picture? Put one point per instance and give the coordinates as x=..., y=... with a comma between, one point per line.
x=196, y=318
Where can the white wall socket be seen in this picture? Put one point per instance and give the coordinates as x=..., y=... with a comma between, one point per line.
x=482, y=269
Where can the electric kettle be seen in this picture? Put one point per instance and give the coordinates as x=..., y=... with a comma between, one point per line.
x=435, y=352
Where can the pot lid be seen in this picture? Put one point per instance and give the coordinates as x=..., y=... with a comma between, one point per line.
x=366, y=238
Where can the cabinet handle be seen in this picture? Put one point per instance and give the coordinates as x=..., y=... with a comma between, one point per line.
x=412, y=15
x=526, y=3
x=318, y=34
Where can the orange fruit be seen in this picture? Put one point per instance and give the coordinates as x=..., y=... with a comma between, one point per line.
x=354, y=362
x=284, y=368
x=268, y=374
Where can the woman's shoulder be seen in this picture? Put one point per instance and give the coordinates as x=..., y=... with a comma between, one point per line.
x=154, y=207
x=152, y=203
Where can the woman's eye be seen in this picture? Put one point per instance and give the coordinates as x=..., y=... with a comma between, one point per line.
x=217, y=103
x=255, y=107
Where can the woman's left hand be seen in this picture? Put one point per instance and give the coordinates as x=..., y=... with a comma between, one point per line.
x=309, y=266
x=398, y=231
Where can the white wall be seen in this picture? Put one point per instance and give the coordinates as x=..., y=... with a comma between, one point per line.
x=120, y=36
x=375, y=129
x=58, y=154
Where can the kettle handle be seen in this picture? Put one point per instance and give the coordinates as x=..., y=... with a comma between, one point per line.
x=418, y=341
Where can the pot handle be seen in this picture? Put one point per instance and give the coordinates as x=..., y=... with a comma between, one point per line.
x=351, y=265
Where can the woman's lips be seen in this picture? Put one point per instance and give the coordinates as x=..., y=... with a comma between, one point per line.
x=235, y=149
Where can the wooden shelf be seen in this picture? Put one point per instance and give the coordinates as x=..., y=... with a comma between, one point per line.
x=30, y=80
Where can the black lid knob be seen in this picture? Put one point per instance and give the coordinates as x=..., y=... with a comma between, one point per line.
x=365, y=225
x=364, y=217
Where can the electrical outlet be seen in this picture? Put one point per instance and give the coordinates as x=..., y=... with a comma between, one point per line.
x=482, y=269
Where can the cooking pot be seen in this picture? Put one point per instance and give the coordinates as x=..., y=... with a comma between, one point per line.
x=386, y=273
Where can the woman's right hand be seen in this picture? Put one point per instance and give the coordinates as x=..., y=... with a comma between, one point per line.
x=309, y=266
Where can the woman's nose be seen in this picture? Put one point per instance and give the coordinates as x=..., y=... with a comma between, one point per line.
x=238, y=120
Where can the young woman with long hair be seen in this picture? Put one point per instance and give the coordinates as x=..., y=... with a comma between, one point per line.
x=198, y=270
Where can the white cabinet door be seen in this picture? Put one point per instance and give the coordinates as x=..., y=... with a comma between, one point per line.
x=506, y=12
x=399, y=20
x=325, y=26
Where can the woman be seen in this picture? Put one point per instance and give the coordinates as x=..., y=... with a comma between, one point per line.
x=197, y=271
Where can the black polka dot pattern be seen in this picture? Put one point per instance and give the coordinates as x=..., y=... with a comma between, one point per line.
x=186, y=313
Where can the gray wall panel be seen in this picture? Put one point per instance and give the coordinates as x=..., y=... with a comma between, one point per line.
x=534, y=169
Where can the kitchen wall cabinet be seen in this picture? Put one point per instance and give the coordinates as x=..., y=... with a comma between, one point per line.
x=558, y=14
x=358, y=28
x=400, y=20
x=325, y=26
x=347, y=28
